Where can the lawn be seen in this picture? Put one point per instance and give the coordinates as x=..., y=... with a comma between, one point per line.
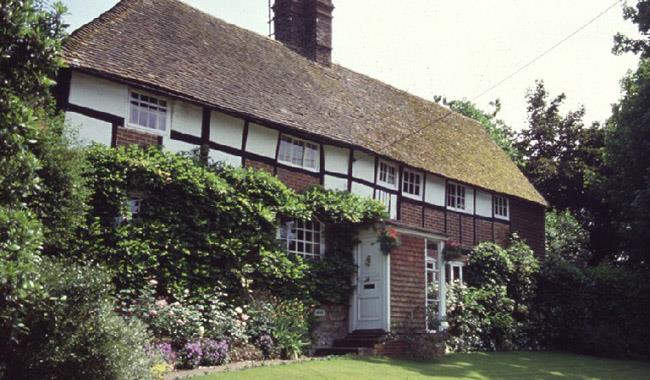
x=492, y=366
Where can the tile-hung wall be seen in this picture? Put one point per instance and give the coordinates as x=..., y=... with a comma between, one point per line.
x=99, y=108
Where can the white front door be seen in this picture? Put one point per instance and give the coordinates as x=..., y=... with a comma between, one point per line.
x=370, y=305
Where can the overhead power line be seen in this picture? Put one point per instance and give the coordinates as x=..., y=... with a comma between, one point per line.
x=506, y=78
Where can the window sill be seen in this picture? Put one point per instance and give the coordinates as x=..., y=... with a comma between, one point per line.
x=287, y=163
x=150, y=131
x=500, y=217
x=412, y=196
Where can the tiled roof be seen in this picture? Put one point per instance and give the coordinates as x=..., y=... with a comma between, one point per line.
x=174, y=47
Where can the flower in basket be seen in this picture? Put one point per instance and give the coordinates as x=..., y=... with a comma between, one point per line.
x=388, y=239
x=453, y=250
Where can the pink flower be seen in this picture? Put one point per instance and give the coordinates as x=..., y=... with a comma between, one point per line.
x=153, y=313
x=161, y=303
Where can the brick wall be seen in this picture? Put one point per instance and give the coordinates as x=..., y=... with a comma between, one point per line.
x=258, y=165
x=467, y=231
x=483, y=230
x=407, y=285
x=126, y=136
x=527, y=221
x=410, y=213
x=434, y=219
x=501, y=232
x=453, y=225
x=299, y=181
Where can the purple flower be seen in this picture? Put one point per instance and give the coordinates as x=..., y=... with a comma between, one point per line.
x=215, y=352
x=265, y=343
x=190, y=355
x=166, y=352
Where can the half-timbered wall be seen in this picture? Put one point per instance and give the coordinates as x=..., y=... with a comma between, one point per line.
x=99, y=108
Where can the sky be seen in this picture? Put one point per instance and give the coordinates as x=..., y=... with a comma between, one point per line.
x=458, y=49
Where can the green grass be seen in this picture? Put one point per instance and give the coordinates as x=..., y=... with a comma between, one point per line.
x=492, y=366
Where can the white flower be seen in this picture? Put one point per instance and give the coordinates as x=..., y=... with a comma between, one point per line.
x=239, y=310
x=153, y=282
x=244, y=317
x=161, y=303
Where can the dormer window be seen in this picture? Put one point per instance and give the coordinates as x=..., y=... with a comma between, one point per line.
x=501, y=209
x=304, y=238
x=455, y=196
x=412, y=184
x=146, y=111
x=300, y=153
x=387, y=175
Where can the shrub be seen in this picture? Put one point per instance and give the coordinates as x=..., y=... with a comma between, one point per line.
x=215, y=352
x=72, y=332
x=190, y=354
x=480, y=319
x=489, y=264
x=266, y=345
x=163, y=350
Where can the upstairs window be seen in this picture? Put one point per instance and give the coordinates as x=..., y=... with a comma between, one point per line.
x=501, y=209
x=147, y=111
x=300, y=153
x=304, y=238
x=455, y=196
x=387, y=175
x=412, y=183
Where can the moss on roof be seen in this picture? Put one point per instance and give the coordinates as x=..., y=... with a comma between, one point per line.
x=174, y=47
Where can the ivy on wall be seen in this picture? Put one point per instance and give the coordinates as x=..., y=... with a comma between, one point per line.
x=206, y=227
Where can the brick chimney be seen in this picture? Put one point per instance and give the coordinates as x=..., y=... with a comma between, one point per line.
x=306, y=27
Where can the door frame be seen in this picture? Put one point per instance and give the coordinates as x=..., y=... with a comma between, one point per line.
x=370, y=236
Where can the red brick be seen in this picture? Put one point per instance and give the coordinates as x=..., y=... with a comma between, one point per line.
x=407, y=295
x=410, y=213
x=501, y=232
x=527, y=220
x=434, y=219
x=258, y=165
x=127, y=136
x=453, y=225
x=297, y=180
x=483, y=230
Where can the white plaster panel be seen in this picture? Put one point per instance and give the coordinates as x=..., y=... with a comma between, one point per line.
x=389, y=200
x=98, y=94
x=227, y=158
x=178, y=146
x=335, y=183
x=261, y=140
x=89, y=130
x=435, y=190
x=336, y=159
x=227, y=130
x=187, y=118
x=469, y=200
x=483, y=203
x=363, y=166
x=362, y=190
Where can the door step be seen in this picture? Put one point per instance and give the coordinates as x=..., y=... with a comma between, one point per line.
x=355, y=343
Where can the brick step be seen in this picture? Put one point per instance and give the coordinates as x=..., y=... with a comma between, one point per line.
x=336, y=351
x=355, y=342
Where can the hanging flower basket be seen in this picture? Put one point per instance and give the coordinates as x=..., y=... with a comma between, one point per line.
x=453, y=250
x=388, y=239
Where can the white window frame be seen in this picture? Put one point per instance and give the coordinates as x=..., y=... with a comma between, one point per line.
x=455, y=264
x=306, y=145
x=501, y=203
x=385, y=197
x=435, y=276
x=167, y=107
x=384, y=182
x=456, y=196
x=290, y=231
x=419, y=185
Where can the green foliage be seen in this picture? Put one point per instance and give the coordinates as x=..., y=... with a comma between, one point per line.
x=480, y=319
x=291, y=327
x=492, y=313
x=205, y=225
x=71, y=330
x=565, y=238
x=628, y=156
x=640, y=15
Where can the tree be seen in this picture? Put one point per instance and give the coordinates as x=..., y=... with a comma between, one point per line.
x=640, y=15
x=563, y=159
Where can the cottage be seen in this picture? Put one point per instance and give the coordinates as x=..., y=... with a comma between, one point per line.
x=161, y=72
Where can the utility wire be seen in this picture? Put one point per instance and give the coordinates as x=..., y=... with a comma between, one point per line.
x=517, y=71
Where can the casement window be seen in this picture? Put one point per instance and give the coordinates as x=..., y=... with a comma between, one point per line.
x=454, y=272
x=455, y=196
x=146, y=111
x=385, y=198
x=300, y=153
x=501, y=207
x=432, y=283
x=304, y=238
x=387, y=174
x=412, y=184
